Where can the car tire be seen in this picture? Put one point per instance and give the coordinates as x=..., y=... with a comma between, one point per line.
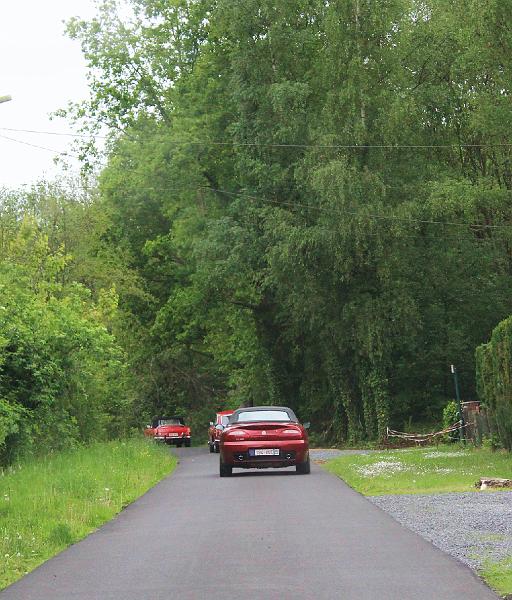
x=216, y=447
x=211, y=446
x=187, y=443
x=225, y=470
x=303, y=468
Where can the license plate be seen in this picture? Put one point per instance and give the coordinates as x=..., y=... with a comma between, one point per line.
x=173, y=435
x=266, y=452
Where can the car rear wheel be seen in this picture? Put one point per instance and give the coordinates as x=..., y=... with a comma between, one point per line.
x=303, y=468
x=187, y=443
x=211, y=445
x=216, y=447
x=225, y=470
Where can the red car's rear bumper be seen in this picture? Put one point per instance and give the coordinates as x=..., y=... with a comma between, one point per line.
x=172, y=440
x=241, y=454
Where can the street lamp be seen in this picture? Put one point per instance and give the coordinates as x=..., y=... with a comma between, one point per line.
x=5, y=99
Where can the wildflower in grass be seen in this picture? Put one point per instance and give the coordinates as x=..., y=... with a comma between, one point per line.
x=383, y=467
x=438, y=454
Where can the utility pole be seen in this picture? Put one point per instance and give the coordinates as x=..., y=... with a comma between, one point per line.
x=462, y=424
x=5, y=99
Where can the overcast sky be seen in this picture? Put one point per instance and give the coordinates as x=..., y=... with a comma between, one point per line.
x=42, y=70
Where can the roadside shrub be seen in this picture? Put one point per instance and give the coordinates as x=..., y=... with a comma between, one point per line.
x=491, y=442
x=494, y=379
x=62, y=374
x=450, y=416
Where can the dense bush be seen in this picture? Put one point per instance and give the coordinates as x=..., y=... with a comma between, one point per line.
x=494, y=379
x=451, y=416
x=63, y=378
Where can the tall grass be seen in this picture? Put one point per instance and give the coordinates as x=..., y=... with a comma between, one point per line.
x=47, y=504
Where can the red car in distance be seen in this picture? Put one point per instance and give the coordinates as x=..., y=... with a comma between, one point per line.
x=221, y=418
x=263, y=437
x=171, y=430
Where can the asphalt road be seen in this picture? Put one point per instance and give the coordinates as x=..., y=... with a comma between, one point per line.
x=256, y=535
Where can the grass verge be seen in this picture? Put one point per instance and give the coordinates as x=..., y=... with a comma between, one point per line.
x=429, y=471
x=499, y=576
x=420, y=470
x=50, y=503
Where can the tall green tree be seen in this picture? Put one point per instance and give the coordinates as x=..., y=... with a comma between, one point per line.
x=315, y=197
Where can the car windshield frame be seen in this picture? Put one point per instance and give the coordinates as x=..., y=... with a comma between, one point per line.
x=173, y=422
x=259, y=416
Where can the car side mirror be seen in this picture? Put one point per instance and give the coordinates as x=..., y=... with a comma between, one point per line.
x=148, y=426
x=211, y=423
x=219, y=427
x=306, y=425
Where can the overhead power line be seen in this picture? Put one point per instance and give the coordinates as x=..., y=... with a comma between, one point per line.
x=329, y=210
x=445, y=235
x=243, y=194
x=298, y=205
x=57, y=133
x=275, y=145
x=52, y=150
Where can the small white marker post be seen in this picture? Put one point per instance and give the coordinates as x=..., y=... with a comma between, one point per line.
x=462, y=437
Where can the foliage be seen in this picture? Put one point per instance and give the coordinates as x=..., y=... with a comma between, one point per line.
x=494, y=368
x=450, y=417
x=312, y=199
x=50, y=503
x=491, y=442
x=64, y=379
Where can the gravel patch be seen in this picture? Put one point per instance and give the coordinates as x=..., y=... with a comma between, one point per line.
x=471, y=526
x=322, y=454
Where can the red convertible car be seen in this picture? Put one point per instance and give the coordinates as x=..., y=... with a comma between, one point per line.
x=221, y=418
x=171, y=430
x=263, y=437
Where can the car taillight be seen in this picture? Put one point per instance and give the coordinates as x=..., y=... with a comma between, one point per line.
x=235, y=434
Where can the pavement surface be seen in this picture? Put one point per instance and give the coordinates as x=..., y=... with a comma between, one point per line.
x=257, y=535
